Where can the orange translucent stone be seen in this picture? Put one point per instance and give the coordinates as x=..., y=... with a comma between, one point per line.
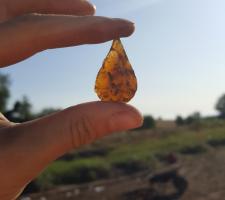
x=116, y=80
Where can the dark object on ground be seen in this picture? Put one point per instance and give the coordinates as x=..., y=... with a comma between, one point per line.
x=32, y=187
x=180, y=184
x=192, y=150
x=168, y=178
x=216, y=142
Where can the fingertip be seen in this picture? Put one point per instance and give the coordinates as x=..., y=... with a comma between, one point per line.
x=125, y=27
x=121, y=116
x=90, y=8
x=126, y=119
x=130, y=29
x=136, y=115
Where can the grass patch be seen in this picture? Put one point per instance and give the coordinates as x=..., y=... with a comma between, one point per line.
x=132, y=157
x=77, y=171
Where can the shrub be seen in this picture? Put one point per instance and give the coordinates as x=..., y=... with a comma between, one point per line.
x=148, y=123
x=179, y=121
x=220, y=106
x=193, y=118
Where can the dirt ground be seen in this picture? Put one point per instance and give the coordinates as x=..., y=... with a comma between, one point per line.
x=196, y=177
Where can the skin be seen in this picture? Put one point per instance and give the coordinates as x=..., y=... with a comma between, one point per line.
x=26, y=149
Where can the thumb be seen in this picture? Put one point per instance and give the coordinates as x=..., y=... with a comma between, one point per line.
x=35, y=144
x=84, y=123
x=91, y=121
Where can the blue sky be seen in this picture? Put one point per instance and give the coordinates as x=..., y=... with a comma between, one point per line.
x=177, y=52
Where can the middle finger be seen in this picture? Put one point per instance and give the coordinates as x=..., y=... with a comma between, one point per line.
x=66, y=7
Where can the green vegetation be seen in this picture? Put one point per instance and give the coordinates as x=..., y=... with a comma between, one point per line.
x=76, y=171
x=145, y=148
x=179, y=121
x=220, y=106
x=194, y=118
x=130, y=157
x=21, y=110
x=4, y=91
x=148, y=123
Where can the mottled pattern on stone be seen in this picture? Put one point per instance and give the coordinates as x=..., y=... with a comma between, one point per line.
x=116, y=80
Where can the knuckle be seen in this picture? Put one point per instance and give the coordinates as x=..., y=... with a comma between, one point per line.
x=82, y=131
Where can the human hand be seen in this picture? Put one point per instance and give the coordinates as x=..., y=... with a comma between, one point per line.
x=27, y=148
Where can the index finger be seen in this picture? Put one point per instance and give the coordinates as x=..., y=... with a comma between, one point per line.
x=30, y=34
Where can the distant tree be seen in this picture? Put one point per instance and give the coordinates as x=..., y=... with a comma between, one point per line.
x=148, y=123
x=193, y=118
x=21, y=112
x=189, y=120
x=196, y=116
x=179, y=121
x=4, y=91
x=220, y=106
x=25, y=109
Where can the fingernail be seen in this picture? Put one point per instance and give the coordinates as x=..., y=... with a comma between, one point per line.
x=132, y=25
x=125, y=120
x=127, y=28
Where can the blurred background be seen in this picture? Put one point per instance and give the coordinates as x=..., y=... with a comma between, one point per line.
x=177, y=53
